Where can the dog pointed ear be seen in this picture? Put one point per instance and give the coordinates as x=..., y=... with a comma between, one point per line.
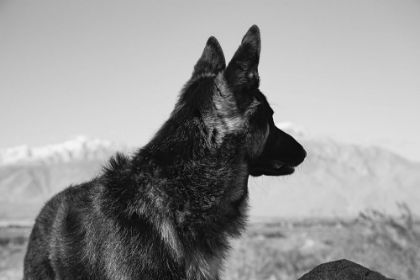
x=212, y=60
x=243, y=68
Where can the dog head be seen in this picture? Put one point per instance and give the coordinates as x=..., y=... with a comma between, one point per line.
x=231, y=106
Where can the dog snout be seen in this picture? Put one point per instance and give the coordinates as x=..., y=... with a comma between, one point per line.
x=300, y=157
x=290, y=149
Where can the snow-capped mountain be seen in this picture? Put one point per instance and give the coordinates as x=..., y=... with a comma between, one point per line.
x=79, y=148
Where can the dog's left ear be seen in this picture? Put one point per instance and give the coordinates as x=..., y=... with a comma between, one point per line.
x=242, y=71
x=212, y=60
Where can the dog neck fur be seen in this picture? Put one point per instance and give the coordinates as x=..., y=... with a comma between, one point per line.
x=203, y=141
x=223, y=118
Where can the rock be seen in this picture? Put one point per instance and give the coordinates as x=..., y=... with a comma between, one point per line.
x=342, y=270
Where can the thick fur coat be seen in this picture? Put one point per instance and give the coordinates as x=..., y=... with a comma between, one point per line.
x=168, y=210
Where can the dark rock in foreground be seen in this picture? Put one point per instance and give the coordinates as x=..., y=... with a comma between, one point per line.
x=342, y=270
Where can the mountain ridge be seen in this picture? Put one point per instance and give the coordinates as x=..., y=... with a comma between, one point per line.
x=78, y=148
x=336, y=179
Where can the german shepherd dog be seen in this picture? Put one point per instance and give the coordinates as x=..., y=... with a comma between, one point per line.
x=168, y=210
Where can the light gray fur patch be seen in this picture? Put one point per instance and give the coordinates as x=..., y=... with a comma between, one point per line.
x=170, y=237
x=115, y=254
x=225, y=118
x=251, y=108
x=204, y=268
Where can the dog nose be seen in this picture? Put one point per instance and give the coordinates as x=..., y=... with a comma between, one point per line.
x=304, y=154
x=300, y=158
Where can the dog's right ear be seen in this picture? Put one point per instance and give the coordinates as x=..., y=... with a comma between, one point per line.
x=212, y=60
x=242, y=71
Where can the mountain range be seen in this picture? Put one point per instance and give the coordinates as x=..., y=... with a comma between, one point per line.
x=336, y=179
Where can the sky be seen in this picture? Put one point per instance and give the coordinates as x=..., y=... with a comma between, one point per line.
x=107, y=69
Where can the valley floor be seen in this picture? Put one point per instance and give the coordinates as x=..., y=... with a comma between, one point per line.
x=285, y=250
